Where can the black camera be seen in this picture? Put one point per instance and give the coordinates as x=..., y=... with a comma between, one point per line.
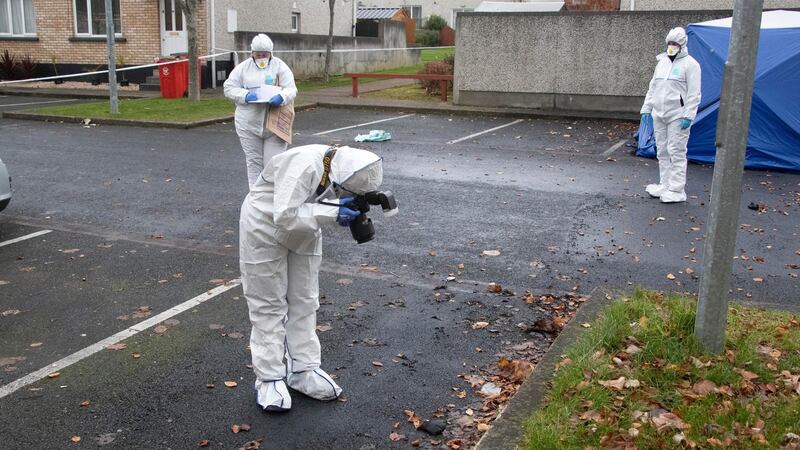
x=361, y=228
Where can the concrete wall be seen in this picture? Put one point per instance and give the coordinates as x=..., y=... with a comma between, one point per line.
x=587, y=61
x=275, y=16
x=307, y=65
x=652, y=5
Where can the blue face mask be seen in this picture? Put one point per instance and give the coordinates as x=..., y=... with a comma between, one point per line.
x=269, y=79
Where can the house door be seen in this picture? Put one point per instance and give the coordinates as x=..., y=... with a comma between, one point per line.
x=173, y=32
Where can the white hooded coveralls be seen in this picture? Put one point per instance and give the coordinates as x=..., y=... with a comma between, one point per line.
x=674, y=94
x=258, y=143
x=280, y=251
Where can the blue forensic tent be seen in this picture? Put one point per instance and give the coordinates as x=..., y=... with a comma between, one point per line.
x=774, y=140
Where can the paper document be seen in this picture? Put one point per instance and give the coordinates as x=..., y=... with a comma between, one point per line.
x=266, y=92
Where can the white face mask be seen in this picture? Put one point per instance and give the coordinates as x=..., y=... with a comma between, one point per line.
x=262, y=62
x=673, y=50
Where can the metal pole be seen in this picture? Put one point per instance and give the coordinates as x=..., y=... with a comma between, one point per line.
x=213, y=46
x=726, y=187
x=112, y=60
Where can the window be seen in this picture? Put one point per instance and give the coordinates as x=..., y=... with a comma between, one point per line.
x=295, y=22
x=415, y=12
x=90, y=17
x=17, y=18
x=455, y=13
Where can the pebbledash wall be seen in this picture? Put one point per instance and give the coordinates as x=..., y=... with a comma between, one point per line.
x=568, y=61
x=643, y=5
x=140, y=42
x=312, y=64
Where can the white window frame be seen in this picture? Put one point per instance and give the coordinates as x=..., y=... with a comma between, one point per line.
x=455, y=12
x=295, y=29
x=10, y=19
x=117, y=33
x=410, y=11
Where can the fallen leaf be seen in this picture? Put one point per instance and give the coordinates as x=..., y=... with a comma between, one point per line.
x=117, y=346
x=231, y=384
x=36, y=344
x=618, y=384
x=217, y=281
x=494, y=288
x=71, y=250
x=216, y=326
x=689, y=270
x=377, y=363
x=704, y=387
x=668, y=420
x=235, y=428
x=203, y=443
x=234, y=335
x=160, y=329
x=10, y=312
x=324, y=328
x=714, y=442
x=483, y=427
x=245, y=427
x=490, y=253
x=670, y=276
x=394, y=437
x=479, y=325
x=413, y=418
x=75, y=438
x=758, y=280
x=366, y=268
x=586, y=325
x=550, y=325
x=344, y=281
x=53, y=374
x=85, y=403
x=136, y=355
x=461, y=394
x=747, y=375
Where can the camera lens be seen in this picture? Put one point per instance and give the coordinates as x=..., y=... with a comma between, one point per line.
x=362, y=229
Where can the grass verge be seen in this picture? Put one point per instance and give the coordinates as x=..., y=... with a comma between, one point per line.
x=637, y=379
x=409, y=92
x=179, y=110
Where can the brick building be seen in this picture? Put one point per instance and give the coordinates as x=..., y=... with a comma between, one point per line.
x=69, y=35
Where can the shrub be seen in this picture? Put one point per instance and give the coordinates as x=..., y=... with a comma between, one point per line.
x=427, y=38
x=436, y=67
x=27, y=67
x=435, y=23
x=450, y=59
x=8, y=66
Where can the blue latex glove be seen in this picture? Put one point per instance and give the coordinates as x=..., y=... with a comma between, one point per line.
x=276, y=100
x=346, y=215
x=250, y=97
x=645, y=116
x=686, y=123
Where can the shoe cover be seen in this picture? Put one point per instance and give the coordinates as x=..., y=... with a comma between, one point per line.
x=315, y=384
x=273, y=396
x=673, y=197
x=655, y=190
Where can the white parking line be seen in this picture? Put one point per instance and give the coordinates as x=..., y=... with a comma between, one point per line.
x=22, y=238
x=40, y=103
x=362, y=124
x=614, y=147
x=485, y=131
x=33, y=377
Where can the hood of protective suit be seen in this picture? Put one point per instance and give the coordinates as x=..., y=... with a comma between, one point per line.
x=261, y=43
x=356, y=170
x=679, y=35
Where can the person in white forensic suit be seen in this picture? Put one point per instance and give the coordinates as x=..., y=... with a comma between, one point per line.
x=280, y=251
x=672, y=101
x=262, y=68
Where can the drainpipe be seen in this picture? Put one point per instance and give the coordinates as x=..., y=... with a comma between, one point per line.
x=355, y=8
x=633, y=5
x=213, y=46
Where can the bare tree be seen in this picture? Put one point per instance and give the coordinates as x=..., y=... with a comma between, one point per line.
x=189, y=8
x=329, y=46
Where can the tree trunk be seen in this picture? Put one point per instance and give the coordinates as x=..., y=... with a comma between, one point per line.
x=189, y=8
x=329, y=46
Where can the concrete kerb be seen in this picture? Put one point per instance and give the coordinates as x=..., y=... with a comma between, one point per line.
x=72, y=93
x=508, y=430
